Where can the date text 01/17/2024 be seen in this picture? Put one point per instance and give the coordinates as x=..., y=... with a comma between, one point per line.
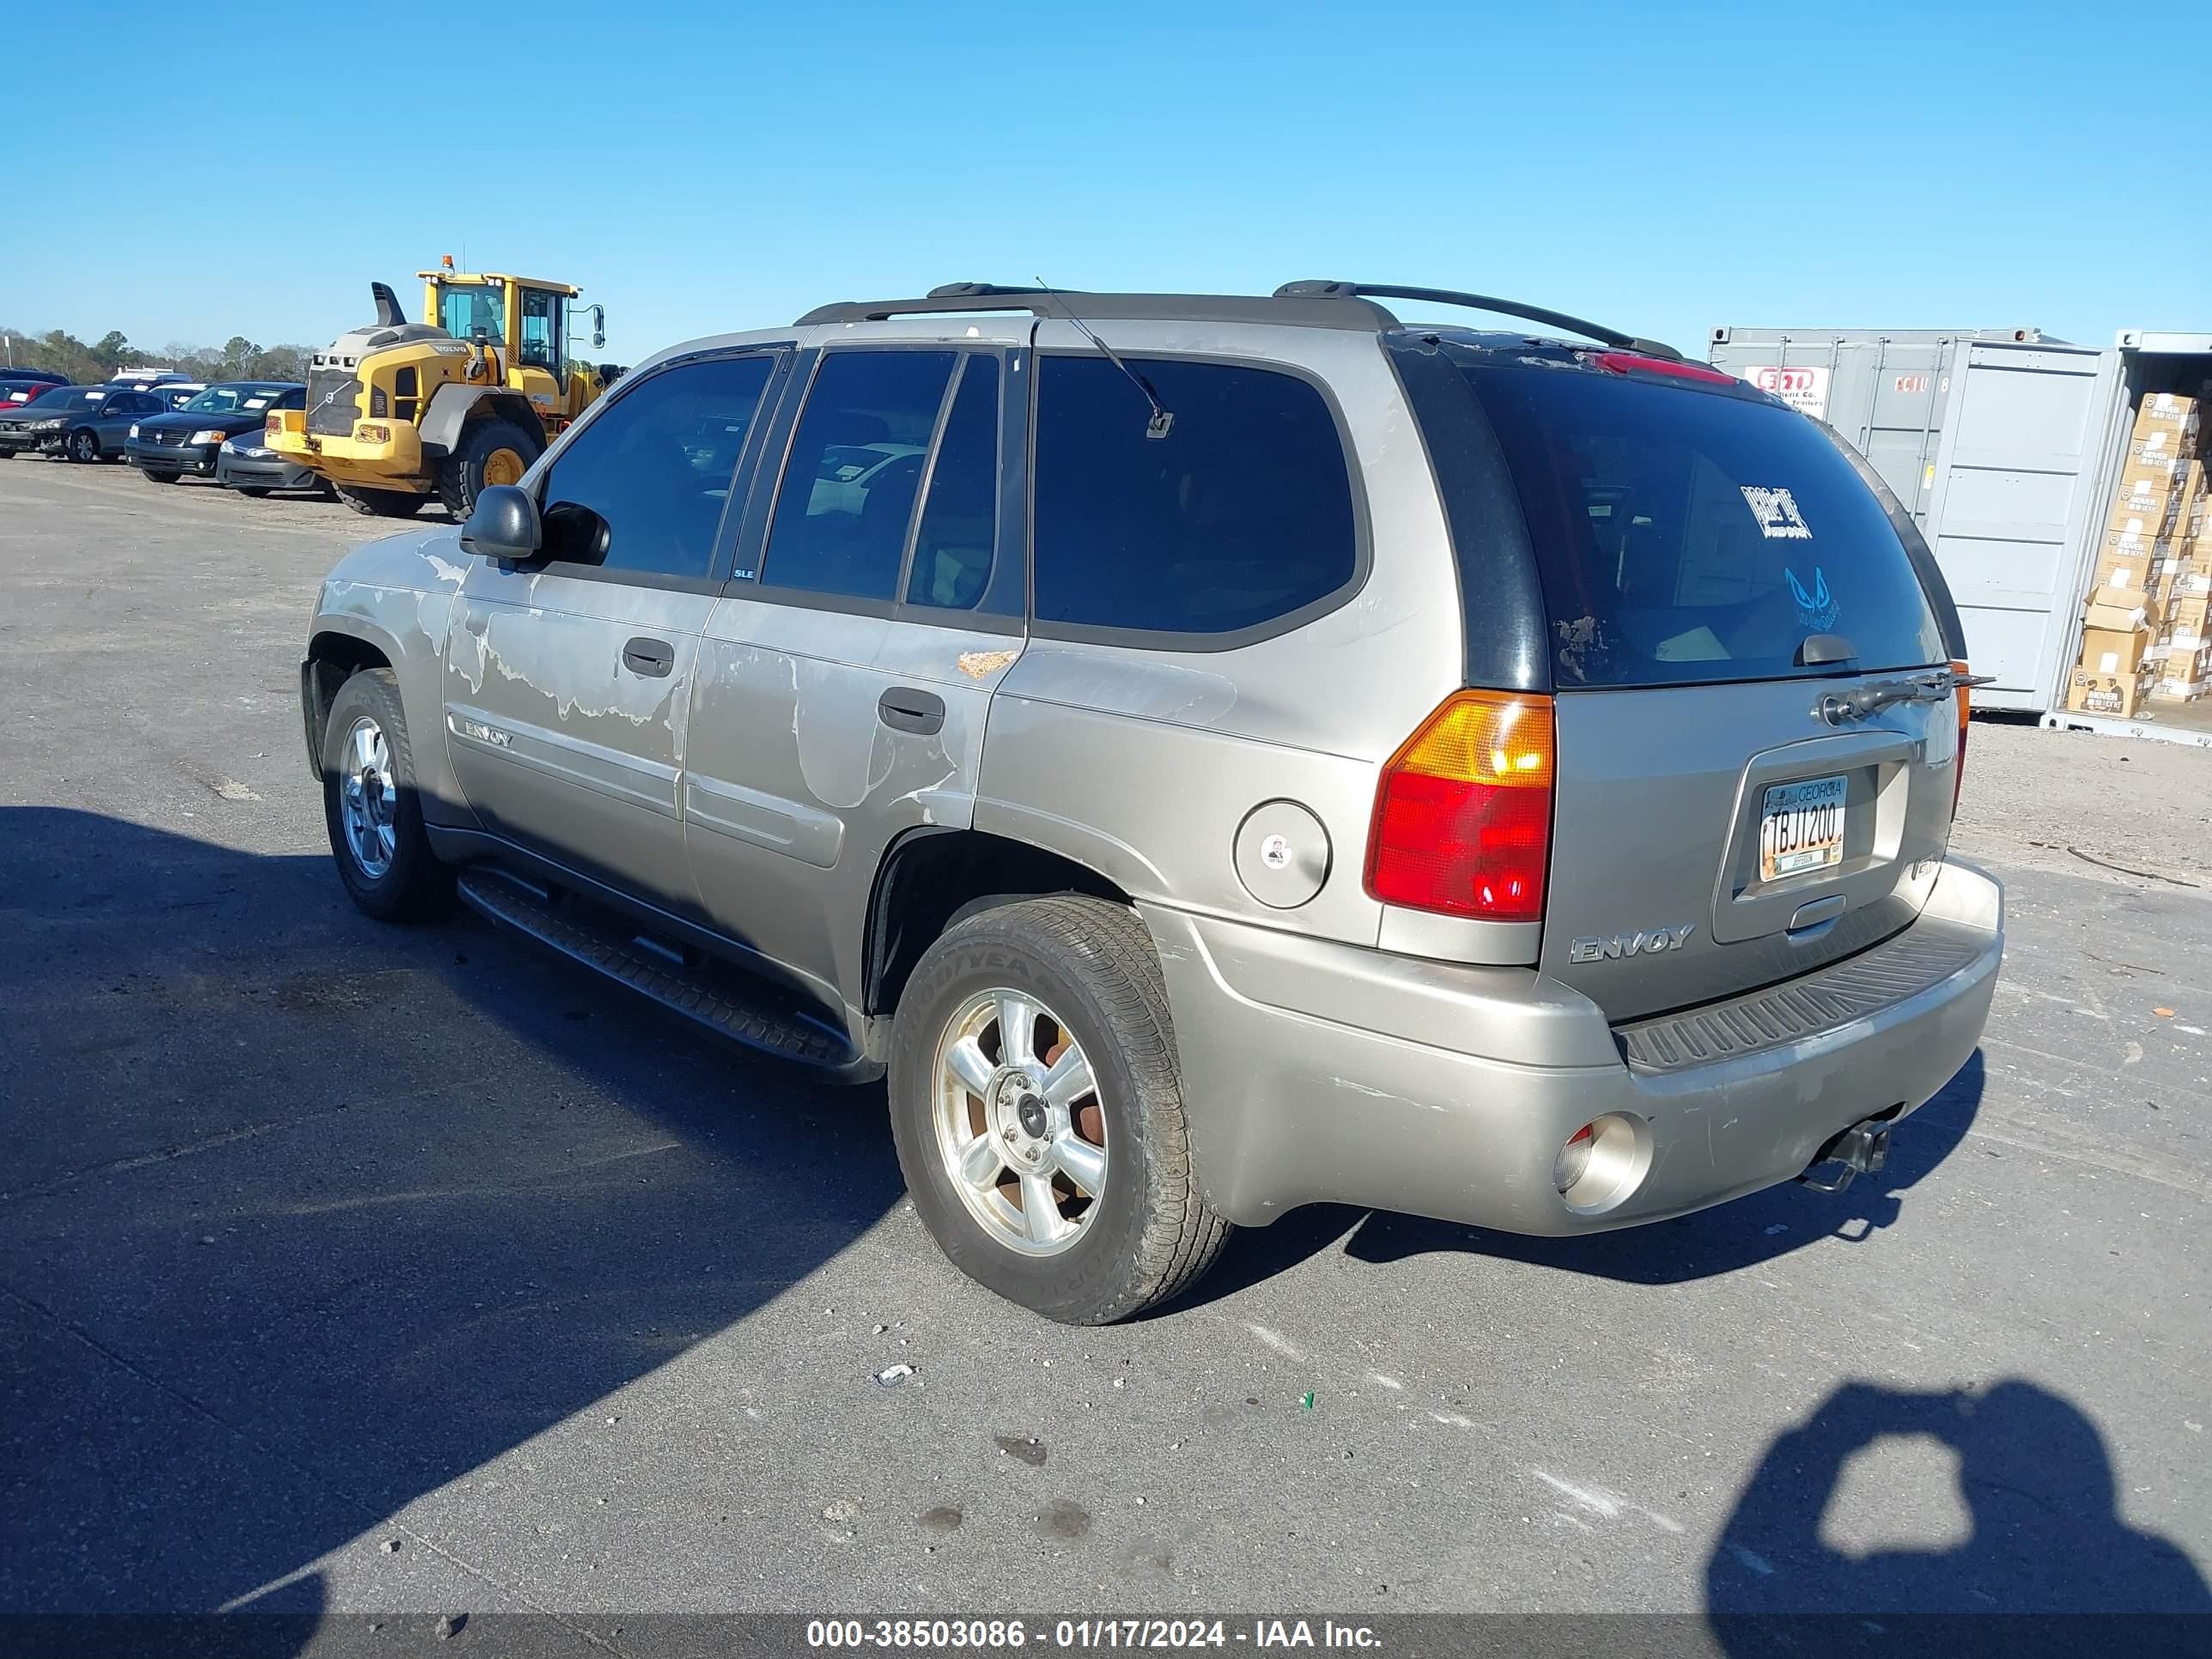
x=1006, y=1635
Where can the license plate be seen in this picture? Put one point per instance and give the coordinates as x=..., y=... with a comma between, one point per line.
x=1801, y=828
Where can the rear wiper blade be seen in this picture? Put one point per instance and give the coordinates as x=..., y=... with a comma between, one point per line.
x=1857, y=705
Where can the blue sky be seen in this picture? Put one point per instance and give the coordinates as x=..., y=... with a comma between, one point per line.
x=700, y=167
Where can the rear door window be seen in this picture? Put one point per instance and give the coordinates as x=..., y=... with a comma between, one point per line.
x=1691, y=537
x=855, y=471
x=1240, y=516
x=958, y=543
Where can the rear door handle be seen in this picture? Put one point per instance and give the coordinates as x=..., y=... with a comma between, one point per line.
x=908, y=709
x=650, y=657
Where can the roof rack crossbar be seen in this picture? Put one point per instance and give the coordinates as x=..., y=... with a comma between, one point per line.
x=1318, y=288
x=1346, y=311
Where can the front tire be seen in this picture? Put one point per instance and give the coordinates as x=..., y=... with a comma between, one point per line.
x=84, y=446
x=490, y=452
x=372, y=807
x=1036, y=1105
x=253, y=492
x=156, y=475
x=382, y=503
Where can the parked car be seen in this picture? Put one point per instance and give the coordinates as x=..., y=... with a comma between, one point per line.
x=83, y=422
x=247, y=464
x=166, y=445
x=1257, y=754
x=145, y=379
x=31, y=394
x=19, y=386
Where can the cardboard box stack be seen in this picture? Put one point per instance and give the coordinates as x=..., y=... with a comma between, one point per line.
x=2147, y=631
x=2184, y=648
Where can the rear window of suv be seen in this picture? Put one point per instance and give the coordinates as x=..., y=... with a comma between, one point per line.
x=1695, y=538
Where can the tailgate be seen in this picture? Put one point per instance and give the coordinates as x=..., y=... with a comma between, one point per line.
x=1709, y=840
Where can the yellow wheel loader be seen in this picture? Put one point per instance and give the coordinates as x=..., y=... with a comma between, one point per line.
x=398, y=412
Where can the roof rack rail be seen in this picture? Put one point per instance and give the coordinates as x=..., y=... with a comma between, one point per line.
x=1346, y=311
x=1319, y=287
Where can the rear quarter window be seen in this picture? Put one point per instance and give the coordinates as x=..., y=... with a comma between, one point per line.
x=1691, y=537
x=1241, y=516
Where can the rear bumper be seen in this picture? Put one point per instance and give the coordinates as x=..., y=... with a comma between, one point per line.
x=1319, y=1073
x=170, y=458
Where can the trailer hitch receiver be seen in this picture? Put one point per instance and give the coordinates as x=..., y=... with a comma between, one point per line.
x=1863, y=1149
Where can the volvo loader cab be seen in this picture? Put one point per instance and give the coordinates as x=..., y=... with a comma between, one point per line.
x=398, y=412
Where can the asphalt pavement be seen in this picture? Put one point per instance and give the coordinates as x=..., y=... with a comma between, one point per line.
x=348, y=1268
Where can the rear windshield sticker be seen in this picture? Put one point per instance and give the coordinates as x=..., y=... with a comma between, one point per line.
x=1778, y=514
x=1817, y=611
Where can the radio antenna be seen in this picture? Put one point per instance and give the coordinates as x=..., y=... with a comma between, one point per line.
x=1162, y=422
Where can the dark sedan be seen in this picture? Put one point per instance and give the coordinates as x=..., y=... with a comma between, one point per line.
x=167, y=446
x=84, y=422
x=247, y=464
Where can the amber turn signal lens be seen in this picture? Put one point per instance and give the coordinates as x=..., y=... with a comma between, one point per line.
x=1965, y=694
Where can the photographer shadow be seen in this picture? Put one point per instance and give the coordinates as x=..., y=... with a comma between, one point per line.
x=2044, y=1537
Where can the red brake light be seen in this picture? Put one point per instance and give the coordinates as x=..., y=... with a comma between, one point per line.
x=1463, y=811
x=1625, y=362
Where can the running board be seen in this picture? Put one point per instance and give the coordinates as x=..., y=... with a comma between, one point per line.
x=729, y=1004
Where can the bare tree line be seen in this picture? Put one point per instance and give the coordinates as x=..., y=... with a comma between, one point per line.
x=237, y=359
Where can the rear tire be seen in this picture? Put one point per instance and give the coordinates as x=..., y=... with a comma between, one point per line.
x=382, y=503
x=372, y=805
x=489, y=453
x=1091, y=980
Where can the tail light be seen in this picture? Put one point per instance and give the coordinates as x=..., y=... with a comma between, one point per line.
x=1965, y=695
x=1463, y=813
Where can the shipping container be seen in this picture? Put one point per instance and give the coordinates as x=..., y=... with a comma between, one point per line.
x=2007, y=447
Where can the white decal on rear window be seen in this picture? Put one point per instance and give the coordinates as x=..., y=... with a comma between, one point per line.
x=1778, y=514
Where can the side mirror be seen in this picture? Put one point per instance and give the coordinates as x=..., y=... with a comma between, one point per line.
x=503, y=525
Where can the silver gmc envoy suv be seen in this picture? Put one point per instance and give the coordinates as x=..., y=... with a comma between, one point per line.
x=1214, y=754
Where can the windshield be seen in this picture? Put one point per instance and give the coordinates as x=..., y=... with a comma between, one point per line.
x=81, y=399
x=230, y=399
x=1689, y=538
x=462, y=310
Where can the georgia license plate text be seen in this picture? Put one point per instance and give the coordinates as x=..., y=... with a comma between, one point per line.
x=1801, y=828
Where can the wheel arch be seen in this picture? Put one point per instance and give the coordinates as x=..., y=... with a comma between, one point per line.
x=933, y=876
x=334, y=655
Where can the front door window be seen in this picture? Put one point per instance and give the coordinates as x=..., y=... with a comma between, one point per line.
x=540, y=345
x=464, y=307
